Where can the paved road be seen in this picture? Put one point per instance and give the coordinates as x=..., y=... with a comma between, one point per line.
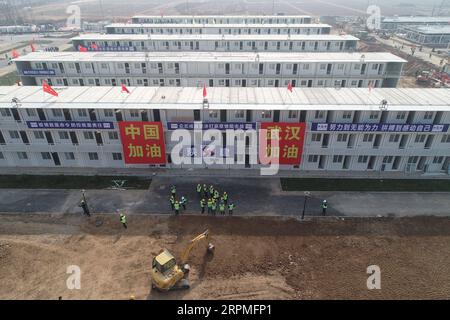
x=253, y=196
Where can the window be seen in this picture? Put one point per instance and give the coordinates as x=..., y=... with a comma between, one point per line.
x=368, y=137
x=323, y=66
x=117, y=156
x=75, y=82
x=5, y=112
x=213, y=114
x=88, y=135
x=319, y=114
x=420, y=138
x=438, y=159
x=46, y=155
x=340, y=66
x=22, y=155
x=357, y=66
x=14, y=134
x=134, y=113
x=354, y=83
x=93, y=155
x=57, y=113
x=394, y=137
x=373, y=115
x=113, y=135
x=401, y=115
x=69, y=155
x=108, y=113
x=63, y=135
x=313, y=158
x=31, y=112
x=342, y=137
x=82, y=113
x=239, y=114
x=428, y=115
x=266, y=114
x=316, y=137
x=375, y=66
x=347, y=115
x=363, y=159
x=104, y=66
x=38, y=135
x=338, y=158
x=91, y=82
x=306, y=66
x=293, y=114
x=445, y=138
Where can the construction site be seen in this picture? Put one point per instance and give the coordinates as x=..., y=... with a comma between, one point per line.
x=254, y=257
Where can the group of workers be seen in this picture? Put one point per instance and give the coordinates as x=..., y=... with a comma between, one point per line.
x=175, y=204
x=211, y=200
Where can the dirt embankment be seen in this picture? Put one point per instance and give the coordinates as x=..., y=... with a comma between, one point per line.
x=270, y=258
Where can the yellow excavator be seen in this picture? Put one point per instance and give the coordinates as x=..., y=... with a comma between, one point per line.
x=167, y=274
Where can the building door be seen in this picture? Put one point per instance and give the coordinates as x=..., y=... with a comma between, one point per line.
x=56, y=158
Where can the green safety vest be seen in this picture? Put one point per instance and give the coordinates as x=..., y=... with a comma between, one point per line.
x=177, y=206
x=222, y=207
x=202, y=204
x=199, y=188
x=123, y=219
x=209, y=203
x=231, y=207
x=225, y=196
x=172, y=200
x=324, y=205
x=183, y=200
x=214, y=206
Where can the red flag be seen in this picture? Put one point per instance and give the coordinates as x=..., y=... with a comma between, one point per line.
x=15, y=54
x=204, y=91
x=94, y=46
x=47, y=88
x=33, y=49
x=124, y=89
x=82, y=49
x=289, y=87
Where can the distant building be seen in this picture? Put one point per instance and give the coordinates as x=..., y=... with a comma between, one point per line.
x=216, y=19
x=94, y=26
x=18, y=29
x=394, y=23
x=430, y=36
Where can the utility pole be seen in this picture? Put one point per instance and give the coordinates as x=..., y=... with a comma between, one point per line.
x=307, y=194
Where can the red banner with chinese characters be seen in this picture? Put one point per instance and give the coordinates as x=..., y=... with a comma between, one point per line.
x=291, y=136
x=142, y=142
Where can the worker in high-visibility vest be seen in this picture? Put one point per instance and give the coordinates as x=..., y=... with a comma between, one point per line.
x=209, y=203
x=214, y=207
x=203, y=204
x=231, y=207
x=225, y=197
x=324, y=207
x=183, y=202
x=176, y=206
x=123, y=220
x=199, y=190
x=172, y=201
x=222, y=208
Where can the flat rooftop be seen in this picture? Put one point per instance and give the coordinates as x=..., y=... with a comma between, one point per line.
x=235, y=98
x=220, y=16
x=430, y=29
x=416, y=19
x=212, y=37
x=213, y=25
x=377, y=57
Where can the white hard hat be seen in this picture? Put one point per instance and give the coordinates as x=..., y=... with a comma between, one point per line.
x=324, y=200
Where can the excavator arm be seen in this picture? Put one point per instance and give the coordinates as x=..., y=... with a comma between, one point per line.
x=192, y=243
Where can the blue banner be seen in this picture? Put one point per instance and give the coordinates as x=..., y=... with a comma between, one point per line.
x=378, y=127
x=211, y=125
x=83, y=125
x=38, y=72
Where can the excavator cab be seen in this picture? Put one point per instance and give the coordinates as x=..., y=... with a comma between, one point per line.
x=167, y=274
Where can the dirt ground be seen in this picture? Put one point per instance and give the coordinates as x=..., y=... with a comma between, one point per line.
x=255, y=258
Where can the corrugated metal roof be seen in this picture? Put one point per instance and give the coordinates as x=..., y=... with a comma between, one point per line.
x=434, y=29
x=229, y=98
x=416, y=19
x=211, y=56
x=212, y=37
